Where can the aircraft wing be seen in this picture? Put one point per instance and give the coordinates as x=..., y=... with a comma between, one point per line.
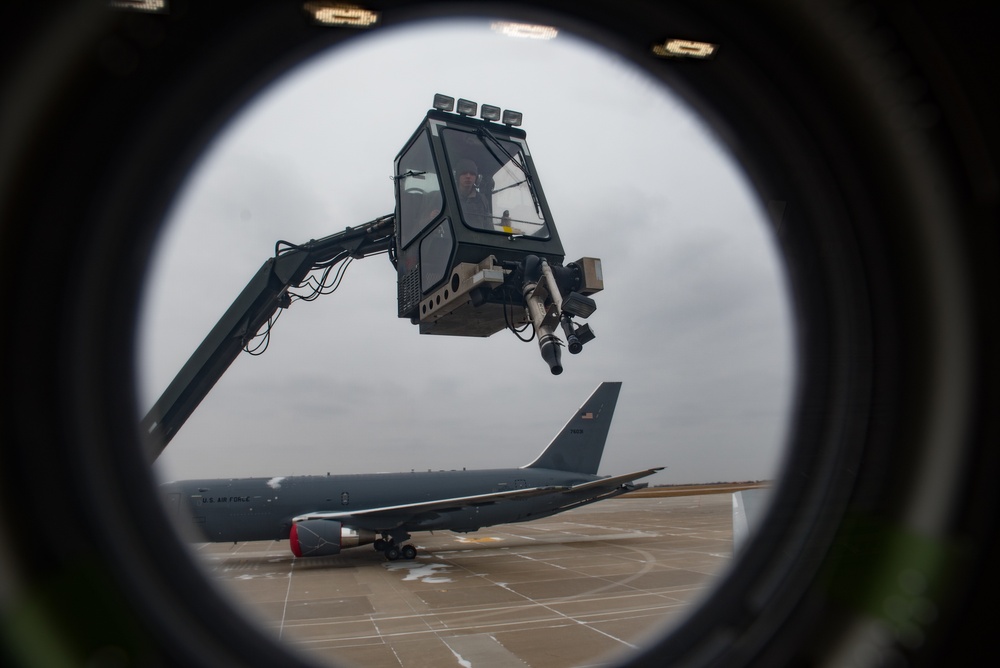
x=438, y=505
x=613, y=481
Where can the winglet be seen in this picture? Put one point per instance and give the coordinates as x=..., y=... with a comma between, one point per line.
x=580, y=444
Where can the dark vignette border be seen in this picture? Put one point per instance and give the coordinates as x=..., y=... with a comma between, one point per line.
x=866, y=130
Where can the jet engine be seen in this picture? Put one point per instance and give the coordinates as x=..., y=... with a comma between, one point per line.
x=321, y=538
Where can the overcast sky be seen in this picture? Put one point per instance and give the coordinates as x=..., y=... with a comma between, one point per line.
x=694, y=318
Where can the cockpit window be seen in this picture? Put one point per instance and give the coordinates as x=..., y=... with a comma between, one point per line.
x=419, y=189
x=495, y=190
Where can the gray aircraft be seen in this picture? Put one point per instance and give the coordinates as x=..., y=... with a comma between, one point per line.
x=321, y=515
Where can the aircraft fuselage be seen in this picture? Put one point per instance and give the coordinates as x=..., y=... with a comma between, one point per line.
x=242, y=509
x=320, y=515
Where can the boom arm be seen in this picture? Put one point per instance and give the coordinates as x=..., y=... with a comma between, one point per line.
x=266, y=292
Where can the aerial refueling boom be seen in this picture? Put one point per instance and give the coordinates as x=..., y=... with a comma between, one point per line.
x=473, y=241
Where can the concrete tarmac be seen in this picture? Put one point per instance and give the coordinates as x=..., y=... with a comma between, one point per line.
x=577, y=589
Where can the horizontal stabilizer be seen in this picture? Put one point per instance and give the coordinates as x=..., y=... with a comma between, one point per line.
x=613, y=481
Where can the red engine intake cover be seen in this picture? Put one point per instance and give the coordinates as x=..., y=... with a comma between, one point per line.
x=315, y=538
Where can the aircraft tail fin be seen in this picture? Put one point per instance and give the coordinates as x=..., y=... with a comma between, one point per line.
x=580, y=444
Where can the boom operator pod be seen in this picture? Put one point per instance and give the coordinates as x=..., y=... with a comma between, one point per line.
x=474, y=246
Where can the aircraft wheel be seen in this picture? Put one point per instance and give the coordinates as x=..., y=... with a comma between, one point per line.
x=379, y=545
x=392, y=553
x=409, y=552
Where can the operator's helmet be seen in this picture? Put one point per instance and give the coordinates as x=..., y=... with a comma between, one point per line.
x=466, y=166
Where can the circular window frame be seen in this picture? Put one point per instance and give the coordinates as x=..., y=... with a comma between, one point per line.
x=880, y=202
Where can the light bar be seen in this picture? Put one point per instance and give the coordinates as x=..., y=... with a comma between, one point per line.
x=490, y=113
x=466, y=107
x=443, y=102
x=512, y=118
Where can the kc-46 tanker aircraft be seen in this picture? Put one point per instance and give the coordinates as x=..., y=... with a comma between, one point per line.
x=321, y=515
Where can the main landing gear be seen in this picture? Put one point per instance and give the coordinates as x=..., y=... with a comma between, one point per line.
x=388, y=545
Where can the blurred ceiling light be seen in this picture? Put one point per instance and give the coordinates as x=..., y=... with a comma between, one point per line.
x=340, y=14
x=524, y=30
x=682, y=48
x=152, y=6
